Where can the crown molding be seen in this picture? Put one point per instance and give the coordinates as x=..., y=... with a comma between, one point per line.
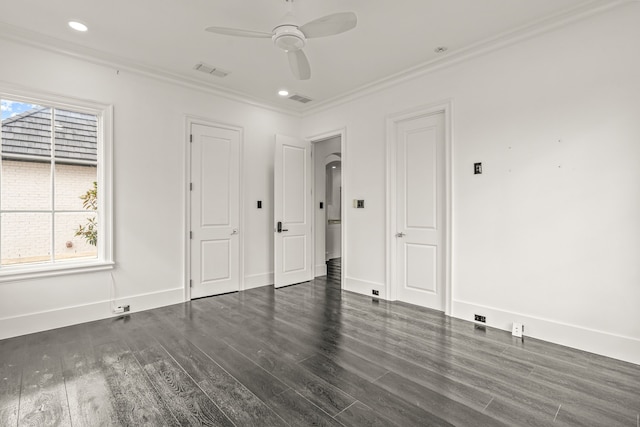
x=34, y=39
x=507, y=38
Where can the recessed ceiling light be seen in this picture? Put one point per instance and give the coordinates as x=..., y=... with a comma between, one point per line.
x=78, y=26
x=283, y=92
x=440, y=49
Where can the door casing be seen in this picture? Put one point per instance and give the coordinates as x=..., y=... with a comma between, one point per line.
x=444, y=107
x=186, y=273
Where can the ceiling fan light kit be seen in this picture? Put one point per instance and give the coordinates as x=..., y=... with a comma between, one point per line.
x=288, y=37
x=293, y=38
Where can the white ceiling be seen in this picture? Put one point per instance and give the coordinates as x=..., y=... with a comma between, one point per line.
x=168, y=36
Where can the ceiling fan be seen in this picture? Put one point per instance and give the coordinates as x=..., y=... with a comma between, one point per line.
x=291, y=38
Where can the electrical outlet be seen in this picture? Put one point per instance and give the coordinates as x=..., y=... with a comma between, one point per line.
x=375, y=292
x=477, y=168
x=121, y=309
x=518, y=330
x=479, y=318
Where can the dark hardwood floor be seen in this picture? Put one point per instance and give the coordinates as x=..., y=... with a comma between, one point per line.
x=308, y=354
x=334, y=269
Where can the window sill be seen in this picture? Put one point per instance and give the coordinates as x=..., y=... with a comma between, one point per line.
x=17, y=273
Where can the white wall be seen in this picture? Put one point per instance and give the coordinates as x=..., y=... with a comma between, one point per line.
x=333, y=189
x=149, y=189
x=550, y=233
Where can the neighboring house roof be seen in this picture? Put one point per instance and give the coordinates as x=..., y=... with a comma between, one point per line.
x=30, y=133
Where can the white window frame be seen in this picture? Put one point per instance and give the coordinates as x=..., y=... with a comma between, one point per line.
x=104, y=114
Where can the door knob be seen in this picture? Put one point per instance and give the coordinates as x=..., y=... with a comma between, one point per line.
x=235, y=231
x=400, y=234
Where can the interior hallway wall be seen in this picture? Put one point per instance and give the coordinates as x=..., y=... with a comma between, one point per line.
x=549, y=234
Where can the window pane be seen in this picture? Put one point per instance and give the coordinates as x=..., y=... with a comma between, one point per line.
x=25, y=185
x=76, y=136
x=70, y=246
x=25, y=238
x=26, y=129
x=75, y=187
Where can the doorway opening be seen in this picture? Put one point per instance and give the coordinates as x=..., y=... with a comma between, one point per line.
x=329, y=207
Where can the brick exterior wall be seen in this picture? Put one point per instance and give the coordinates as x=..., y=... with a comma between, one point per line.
x=27, y=185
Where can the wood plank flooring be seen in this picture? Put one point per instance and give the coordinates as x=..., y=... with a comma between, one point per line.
x=308, y=354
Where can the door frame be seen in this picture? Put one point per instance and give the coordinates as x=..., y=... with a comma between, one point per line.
x=342, y=133
x=186, y=268
x=392, y=120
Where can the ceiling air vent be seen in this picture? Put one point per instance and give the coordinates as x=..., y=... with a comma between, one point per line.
x=209, y=69
x=300, y=98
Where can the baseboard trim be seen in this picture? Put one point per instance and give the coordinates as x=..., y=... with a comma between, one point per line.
x=258, y=280
x=591, y=340
x=72, y=315
x=364, y=287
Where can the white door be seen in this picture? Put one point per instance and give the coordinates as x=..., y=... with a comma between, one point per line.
x=420, y=214
x=215, y=210
x=292, y=211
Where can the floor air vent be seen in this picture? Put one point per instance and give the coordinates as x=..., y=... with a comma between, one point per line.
x=209, y=69
x=300, y=98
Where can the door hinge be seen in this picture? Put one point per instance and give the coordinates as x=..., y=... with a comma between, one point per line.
x=191, y=234
x=190, y=138
x=191, y=186
x=190, y=283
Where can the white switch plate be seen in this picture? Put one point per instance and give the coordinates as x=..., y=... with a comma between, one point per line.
x=517, y=330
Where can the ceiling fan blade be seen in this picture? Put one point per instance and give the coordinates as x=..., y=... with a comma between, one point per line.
x=299, y=64
x=329, y=25
x=238, y=32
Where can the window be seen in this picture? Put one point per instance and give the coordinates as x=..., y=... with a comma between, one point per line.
x=54, y=187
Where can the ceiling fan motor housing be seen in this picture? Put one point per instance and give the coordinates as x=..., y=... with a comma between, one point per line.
x=288, y=38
